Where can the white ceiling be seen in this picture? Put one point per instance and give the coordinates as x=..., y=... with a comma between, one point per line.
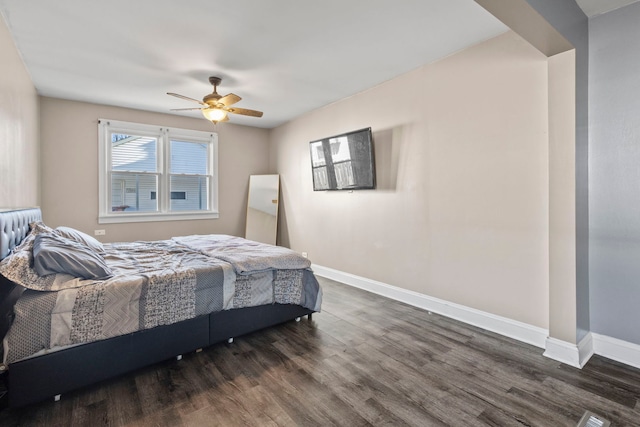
x=284, y=57
x=598, y=7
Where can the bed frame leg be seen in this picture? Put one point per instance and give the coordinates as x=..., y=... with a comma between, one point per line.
x=230, y=340
x=179, y=357
x=309, y=316
x=57, y=397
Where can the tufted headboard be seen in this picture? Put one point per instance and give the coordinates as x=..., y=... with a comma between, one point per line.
x=14, y=226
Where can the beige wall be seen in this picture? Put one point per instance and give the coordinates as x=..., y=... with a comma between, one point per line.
x=568, y=65
x=70, y=170
x=19, y=169
x=461, y=206
x=562, y=197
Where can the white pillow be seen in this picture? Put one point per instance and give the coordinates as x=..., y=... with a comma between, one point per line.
x=53, y=253
x=80, y=237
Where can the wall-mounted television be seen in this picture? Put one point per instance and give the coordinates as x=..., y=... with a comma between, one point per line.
x=343, y=162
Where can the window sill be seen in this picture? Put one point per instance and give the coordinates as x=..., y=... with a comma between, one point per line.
x=155, y=217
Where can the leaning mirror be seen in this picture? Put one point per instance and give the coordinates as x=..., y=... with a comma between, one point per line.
x=262, y=208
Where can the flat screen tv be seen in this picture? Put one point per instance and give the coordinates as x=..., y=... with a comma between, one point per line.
x=343, y=162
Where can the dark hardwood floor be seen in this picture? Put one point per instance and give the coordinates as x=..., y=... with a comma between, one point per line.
x=365, y=360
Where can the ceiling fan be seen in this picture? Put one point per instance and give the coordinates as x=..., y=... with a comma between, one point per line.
x=215, y=106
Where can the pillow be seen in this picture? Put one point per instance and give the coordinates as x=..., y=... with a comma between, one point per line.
x=80, y=237
x=53, y=253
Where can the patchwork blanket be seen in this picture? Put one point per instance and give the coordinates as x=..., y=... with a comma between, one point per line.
x=157, y=283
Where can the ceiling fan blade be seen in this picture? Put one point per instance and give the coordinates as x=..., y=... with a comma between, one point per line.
x=177, y=95
x=230, y=99
x=245, y=112
x=185, y=109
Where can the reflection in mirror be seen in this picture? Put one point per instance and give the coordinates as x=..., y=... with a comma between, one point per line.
x=262, y=208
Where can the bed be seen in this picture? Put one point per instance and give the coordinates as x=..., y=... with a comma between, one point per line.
x=74, y=312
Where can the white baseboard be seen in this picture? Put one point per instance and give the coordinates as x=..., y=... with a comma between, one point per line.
x=585, y=349
x=562, y=351
x=576, y=355
x=618, y=350
x=510, y=328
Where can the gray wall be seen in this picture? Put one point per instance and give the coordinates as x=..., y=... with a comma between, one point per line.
x=614, y=173
x=567, y=17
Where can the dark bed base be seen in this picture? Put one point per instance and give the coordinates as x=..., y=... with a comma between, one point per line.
x=44, y=377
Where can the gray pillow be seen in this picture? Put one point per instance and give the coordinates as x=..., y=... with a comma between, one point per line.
x=53, y=253
x=80, y=237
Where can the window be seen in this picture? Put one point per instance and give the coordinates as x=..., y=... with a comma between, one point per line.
x=148, y=173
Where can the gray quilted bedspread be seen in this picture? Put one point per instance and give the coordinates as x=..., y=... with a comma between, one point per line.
x=246, y=256
x=159, y=283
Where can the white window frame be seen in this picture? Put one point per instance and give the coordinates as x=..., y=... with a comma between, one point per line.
x=164, y=136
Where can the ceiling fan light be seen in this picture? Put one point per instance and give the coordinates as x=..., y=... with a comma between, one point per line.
x=214, y=114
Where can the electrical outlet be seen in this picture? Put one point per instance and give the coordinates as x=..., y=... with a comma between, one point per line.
x=99, y=232
x=304, y=254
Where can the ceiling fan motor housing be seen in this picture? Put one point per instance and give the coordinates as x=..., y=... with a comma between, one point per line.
x=211, y=99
